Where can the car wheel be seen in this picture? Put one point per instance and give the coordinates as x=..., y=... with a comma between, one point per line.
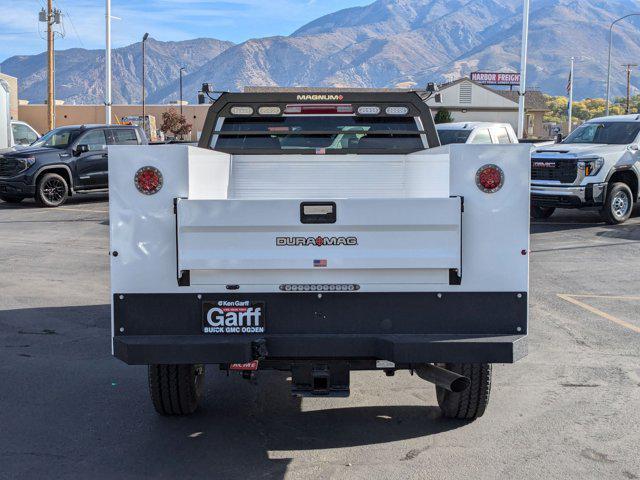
x=472, y=402
x=10, y=199
x=618, y=204
x=542, y=212
x=176, y=389
x=52, y=190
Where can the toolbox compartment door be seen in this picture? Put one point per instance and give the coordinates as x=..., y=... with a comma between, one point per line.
x=414, y=240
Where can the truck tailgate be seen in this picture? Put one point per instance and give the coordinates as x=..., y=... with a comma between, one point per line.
x=220, y=237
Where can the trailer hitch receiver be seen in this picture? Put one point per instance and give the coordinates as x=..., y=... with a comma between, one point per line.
x=331, y=379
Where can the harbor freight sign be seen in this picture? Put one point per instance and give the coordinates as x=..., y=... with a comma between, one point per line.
x=496, y=78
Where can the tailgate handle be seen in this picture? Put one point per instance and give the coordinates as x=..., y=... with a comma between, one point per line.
x=318, y=212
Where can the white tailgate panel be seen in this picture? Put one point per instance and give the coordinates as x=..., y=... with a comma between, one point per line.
x=237, y=238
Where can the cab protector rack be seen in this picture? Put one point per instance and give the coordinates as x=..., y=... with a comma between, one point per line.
x=417, y=108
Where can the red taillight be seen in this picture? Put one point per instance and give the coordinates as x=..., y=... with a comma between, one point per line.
x=489, y=178
x=148, y=180
x=318, y=109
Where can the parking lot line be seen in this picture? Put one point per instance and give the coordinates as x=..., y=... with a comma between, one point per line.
x=50, y=210
x=610, y=297
x=600, y=313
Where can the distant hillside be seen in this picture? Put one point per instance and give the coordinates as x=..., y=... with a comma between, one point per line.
x=386, y=43
x=80, y=73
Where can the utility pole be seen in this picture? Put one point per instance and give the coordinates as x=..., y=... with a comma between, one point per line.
x=107, y=66
x=181, y=70
x=51, y=115
x=51, y=17
x=523, y=67
x=629, y=67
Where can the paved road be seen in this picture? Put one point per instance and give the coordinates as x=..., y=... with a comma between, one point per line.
x=69, y=410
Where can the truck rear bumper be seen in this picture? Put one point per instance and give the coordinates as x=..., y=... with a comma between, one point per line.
x=402, y=327
x=400, y=349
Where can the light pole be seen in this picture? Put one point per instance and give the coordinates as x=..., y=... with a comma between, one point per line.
x=523, y=68
x=144, y=118
x=609, y=64
x=181, y=70
x=570, y=105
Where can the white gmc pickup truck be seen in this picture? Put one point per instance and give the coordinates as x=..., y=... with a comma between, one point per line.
x=596, y=166
x=320, y=233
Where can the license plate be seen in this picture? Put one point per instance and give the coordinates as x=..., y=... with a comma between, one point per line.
x=224, y=317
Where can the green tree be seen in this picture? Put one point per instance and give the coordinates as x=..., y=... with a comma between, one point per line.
x=443, y=116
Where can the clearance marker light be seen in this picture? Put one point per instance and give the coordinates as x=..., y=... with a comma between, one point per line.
x=368, y=110
x=397, y=110
x=269, y=110
x=241, y=111
x=315, y=287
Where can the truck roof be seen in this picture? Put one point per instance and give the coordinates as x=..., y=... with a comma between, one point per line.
x=88, y=126
x=469, y=125
x=617, y=118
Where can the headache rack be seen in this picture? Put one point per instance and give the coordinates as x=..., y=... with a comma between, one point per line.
x=350, y=114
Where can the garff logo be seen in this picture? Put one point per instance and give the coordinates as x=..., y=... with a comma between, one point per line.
x=318, y=241
x=233, y=317
x=316, y=97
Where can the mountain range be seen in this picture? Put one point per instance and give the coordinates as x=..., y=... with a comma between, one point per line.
x=387, y=43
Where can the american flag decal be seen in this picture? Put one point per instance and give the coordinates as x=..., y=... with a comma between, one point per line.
x=320, y=263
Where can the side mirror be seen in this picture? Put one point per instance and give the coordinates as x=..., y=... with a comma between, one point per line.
x=80, y=149
x=559, y=138
x=634, y=147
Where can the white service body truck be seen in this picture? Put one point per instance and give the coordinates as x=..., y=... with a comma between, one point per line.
x=318, y=234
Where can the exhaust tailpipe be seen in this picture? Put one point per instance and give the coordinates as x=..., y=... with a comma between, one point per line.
x=443, y=378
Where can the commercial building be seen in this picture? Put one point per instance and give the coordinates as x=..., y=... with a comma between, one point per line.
x=36, y=114
x=469, y=101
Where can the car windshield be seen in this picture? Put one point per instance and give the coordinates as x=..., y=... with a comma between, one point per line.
x=319, y=134
x=610, y=133
x=58, y=138
x=448, y=136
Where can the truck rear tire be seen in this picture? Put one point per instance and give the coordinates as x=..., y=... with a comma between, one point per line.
x=176, y=389
x=542, y=212
x=471, y=403
x=618, y=204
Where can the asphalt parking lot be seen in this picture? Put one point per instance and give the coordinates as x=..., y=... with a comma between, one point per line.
x=571, y=409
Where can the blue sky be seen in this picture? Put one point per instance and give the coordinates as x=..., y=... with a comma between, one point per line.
x=234, y=20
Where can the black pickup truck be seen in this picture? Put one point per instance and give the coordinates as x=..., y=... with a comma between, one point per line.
x=65, y=161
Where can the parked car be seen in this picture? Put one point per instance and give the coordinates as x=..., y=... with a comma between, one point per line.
x=13, y=133
x=596, y=166
x=22, y=134
x=63, y=162
x=476, y=132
